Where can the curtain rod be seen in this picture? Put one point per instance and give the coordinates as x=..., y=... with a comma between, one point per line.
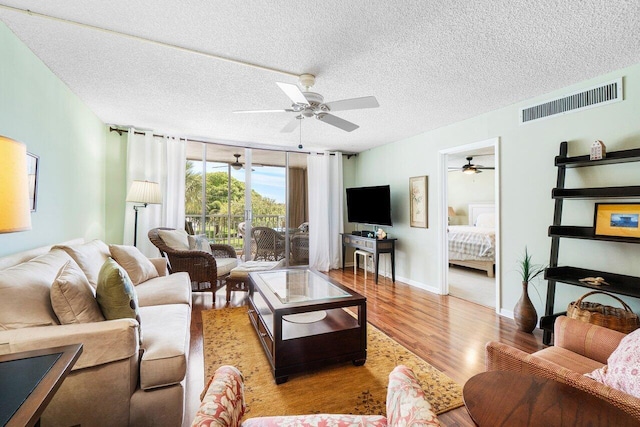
x=121, y=131
x=143, y=39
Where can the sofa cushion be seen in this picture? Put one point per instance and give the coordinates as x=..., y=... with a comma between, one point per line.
x=175, y=239
x=115, y=293
x=138, y=267
x=225, y=265
x=172, y=289
x=568, y=359
x=25, y=289
x=89, y=256
x=316, y=420
x=200, y=243
x=622, y=371
x=72, y=297
x=165, y=344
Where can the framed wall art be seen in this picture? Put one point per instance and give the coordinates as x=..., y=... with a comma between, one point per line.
x=32, y=172
x=617, y=219
x=418, y=205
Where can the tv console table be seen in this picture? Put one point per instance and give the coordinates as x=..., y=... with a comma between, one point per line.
x=371, y=245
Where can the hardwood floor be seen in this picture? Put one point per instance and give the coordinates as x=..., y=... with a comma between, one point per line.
x=448, y=332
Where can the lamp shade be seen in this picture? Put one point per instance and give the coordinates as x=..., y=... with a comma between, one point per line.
x=144, y=192
x=15, y=212
x=451, y=211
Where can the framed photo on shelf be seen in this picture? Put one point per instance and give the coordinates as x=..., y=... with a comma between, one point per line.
x=418, y=204
x=32, y=172
x=617, y=219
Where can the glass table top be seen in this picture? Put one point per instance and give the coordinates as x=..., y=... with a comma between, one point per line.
x=294, y=286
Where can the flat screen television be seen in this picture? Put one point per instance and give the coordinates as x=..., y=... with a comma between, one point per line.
x=369, y=205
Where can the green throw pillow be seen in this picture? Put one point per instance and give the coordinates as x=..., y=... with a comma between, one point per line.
x=115, y=293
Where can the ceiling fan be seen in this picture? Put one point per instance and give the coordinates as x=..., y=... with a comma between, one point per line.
x=311, y=104
x=470, y=168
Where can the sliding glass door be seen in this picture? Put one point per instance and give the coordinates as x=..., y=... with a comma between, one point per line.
x=239, y=197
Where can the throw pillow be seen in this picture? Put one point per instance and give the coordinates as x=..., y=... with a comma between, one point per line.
x=72, y=297
x=622, y=370
x=175, y=239
x=116, y=294
x=200, y=243
x=138, y=267
x=89, y=256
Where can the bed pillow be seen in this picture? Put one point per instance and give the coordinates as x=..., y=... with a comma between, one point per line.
x=138, y=267
x=622, y=371
x=200, y=243
x=72, y=297
x=486, y=220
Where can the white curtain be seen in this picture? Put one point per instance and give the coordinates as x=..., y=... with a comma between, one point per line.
x=160, y=160
x=325, y=210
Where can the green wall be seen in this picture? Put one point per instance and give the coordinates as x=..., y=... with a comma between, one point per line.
x=526, y=176
x=38, y=109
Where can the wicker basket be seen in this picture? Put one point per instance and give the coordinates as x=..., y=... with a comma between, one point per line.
x=619, y=319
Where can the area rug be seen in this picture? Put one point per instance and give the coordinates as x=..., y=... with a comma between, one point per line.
x=229, y=339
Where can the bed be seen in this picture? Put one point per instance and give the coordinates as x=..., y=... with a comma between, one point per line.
x=474, y=245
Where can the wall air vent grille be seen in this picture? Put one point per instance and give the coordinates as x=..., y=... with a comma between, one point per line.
x=593, y=97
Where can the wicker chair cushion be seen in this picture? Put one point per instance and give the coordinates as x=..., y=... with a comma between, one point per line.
x=72, y=297
x=622, y=371
x=138, y=267
x=175, y=239
x=225, y=265
x=200, y=243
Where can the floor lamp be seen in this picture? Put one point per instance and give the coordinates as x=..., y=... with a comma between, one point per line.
x=15, y=213
x=147, y=193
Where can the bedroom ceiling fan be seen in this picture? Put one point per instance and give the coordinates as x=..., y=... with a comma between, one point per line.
x=311, y=104
x=471, y=169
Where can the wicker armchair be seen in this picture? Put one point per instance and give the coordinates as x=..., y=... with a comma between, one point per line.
x=201, y=266
x=270, y=245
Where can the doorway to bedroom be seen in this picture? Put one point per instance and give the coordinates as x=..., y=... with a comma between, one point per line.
x=470, y=243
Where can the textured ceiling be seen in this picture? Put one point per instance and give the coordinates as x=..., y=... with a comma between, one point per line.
x=429, y=64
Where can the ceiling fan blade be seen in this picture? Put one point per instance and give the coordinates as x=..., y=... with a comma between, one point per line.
x=353, y=103
x=337, y=122
x=288, y=110
x=292, y=125
x=293, y=92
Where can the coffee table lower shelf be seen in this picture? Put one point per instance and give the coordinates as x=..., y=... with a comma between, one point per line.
x=337, y=338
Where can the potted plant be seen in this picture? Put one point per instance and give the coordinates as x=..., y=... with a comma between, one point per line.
x=524, y=312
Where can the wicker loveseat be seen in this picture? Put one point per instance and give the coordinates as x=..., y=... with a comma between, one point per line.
x=207, y=271
x=579, y=348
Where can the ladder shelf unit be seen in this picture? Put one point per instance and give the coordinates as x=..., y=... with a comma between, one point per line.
x=618, y=283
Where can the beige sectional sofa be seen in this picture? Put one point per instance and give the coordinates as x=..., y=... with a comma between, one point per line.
x=118, y=380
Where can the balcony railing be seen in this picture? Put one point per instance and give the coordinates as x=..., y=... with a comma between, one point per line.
x=224, y=228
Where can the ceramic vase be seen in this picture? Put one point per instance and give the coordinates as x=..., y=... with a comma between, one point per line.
x=524, y=312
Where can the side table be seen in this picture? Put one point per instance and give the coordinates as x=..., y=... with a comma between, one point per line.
x=30, y=379
x=500, y=398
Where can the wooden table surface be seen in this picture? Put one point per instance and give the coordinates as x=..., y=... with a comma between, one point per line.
x=499, y=398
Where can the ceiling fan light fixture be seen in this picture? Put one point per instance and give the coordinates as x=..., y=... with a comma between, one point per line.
x=470, y=171
x=236, y=165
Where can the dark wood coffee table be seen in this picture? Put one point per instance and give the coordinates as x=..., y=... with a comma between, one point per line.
x=499, y=398
x=302, y=321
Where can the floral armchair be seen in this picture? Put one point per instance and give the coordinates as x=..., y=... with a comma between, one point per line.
x=223, y=405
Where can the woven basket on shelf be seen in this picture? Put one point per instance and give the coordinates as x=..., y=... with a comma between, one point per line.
x=619, y=319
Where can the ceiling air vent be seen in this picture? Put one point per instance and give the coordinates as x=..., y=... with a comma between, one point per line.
x=606, y=93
